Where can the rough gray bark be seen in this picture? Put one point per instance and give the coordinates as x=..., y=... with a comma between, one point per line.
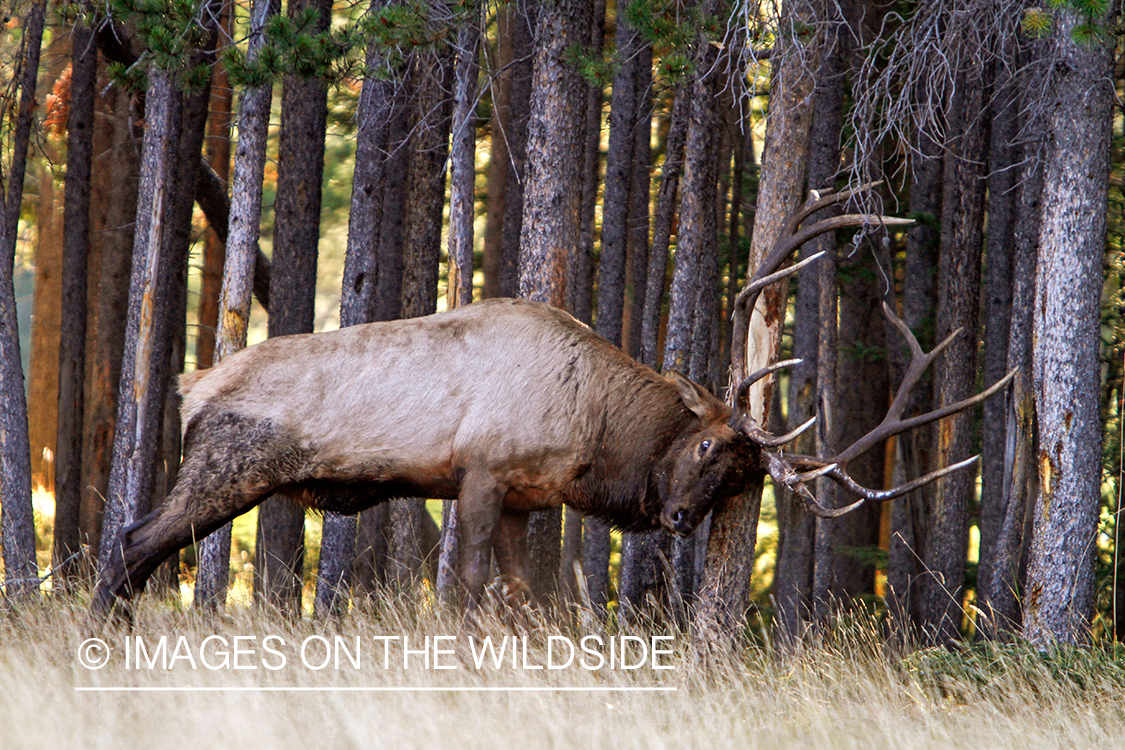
x=358, y=301
x=662, y=228
x=1060, y=576
x=904, y=595
x=641, y=570
x=238, y=273
x=217, y=154
x=500, y=89
x=422, y=224
x=519, y=113
x=616, y=203
x=1001, y=587
x=797, y=550
x=171, y=348
x=549, y=227
x=72, y=342
x=279, y=547
x=461, y=217
x=1004, y=118
x=730, y=551
x=140, y=398
x=687, y=341
x=947, y=523
x=113, y=211
x=16, y=520
x=582, y=273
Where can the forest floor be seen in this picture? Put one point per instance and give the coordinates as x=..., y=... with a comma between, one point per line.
x=249, y=678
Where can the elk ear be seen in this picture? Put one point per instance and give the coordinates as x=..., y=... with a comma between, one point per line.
x=695, y=397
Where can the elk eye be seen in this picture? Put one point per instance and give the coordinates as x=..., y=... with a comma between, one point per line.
x=704, y=446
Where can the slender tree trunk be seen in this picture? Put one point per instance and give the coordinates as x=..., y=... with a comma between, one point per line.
x=799, y=555
x=500, y=87
x=238, y=273
x=72, y=344
x=662, y=228
x=582, y=274
x=461, y=217
x=641, y=571
x=46, y=322
x=280, y=549
x=947, y=531
x=1002, y=597
x=730, y=552
x=1060, y=577
x=358, y=302
x=1004, y=117
x=616, y=203
x=114, y=193
x=904, y=569
x=140, y=397
x=16, y=520
x=519, y=114
x=549, y=225
x=421, y=252
x=218, y=157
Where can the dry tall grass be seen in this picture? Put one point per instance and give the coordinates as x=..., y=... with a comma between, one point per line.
x=842, y=694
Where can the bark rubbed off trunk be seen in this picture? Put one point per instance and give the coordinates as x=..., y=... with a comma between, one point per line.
x=730, y=552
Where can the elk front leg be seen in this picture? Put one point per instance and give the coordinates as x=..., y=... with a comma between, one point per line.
x=509, y=544
x=478, y=513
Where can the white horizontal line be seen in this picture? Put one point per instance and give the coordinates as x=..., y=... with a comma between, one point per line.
x=384, y=689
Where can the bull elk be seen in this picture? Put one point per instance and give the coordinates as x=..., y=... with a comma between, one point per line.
x=506, y=405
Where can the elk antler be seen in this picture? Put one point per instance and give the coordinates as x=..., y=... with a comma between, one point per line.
x=793, y=470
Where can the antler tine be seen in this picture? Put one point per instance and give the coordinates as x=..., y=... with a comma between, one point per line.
x=767, y=273
x=783, y=473
x=819, y=200
x=889, y=428
x=769, y=440
x=744, y=386
x=883, y=495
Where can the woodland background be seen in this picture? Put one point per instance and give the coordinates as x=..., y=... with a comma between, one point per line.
x=632, y=163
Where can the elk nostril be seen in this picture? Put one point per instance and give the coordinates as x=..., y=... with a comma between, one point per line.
x=678, y=517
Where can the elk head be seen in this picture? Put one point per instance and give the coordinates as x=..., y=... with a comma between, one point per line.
x=794, y=470
x=709, y=464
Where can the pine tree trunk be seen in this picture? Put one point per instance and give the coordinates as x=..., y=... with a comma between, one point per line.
x=1001, y=600
x=549, y=225
x=72, y=344
x=358, y=301
x=616, y=203
x=947, y=527
x=422, y=226
x=1004, y=568
x=730, y=552
x=904, y=596
x=500, y=88
x=143, y=370
x=238, y=274
x=519, y=115
x=218, y=157
x=1060, y=577
x=114, y=195
x=1004, y=118
x=16, y=521
x=279, y=550
x=581, y=302
x=461, y=217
